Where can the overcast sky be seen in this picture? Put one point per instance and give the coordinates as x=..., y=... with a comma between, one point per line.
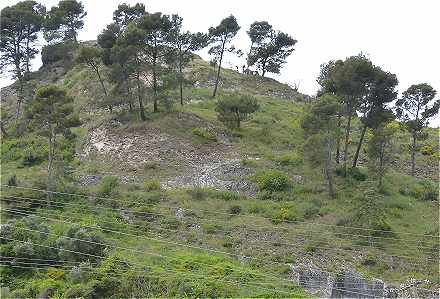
x=401, y=36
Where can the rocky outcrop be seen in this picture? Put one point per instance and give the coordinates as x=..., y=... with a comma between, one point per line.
x=350, y=284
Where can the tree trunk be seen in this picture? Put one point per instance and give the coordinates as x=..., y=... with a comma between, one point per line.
x=181, y=79
x=327, y=167
x=237, y=113
x=50, y=165
x=347, y=136
x=141, y=104
x=381, y=166
x=104, y=89
x=413, y=153
x=27, y=51
x=130, y=104
x=155, y=109
x=218, y=70
x=358, y=149
x=4, y=133
x=338, y=142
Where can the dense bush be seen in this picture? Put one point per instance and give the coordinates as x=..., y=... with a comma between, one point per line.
x=108, y=186
x=57, y=52
x=204, y=133
x=292, y=159
x=423, y=190
x=272, y=181
x=427, y=150
x=72, y=243
x=357, y=174
x=151, y=185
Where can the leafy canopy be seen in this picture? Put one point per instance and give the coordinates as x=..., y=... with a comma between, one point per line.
x=269, y=48
x=235, y=108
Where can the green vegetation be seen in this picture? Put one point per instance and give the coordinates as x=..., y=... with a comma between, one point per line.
x=215, y=198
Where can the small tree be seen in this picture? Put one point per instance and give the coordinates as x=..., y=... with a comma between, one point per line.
x=233, y=109
x=91, y=56
x=185, y=43
x=125, y=14
x=33, y=15
x=320, y=129
x=156, y=31
x=381, y=149
x=415, y=108
x=19, y=25
x=380, y=91
x=64, y=21
x=269, y=48
x=52, y=112
x=221, y=36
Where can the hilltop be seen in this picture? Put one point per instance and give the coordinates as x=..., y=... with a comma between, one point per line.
x=183, y=186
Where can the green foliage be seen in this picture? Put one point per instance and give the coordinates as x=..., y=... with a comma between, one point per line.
x=12, y=180
x=369, y=213
x=272, y=181
x=235, y=108
x=63, y=21
x=220, y=38
x=422, y=190
x=291, y=159
x=235, y=209
x=60, y=52
x=151, y=185
x=108, y=186
x=204, y=133
x=150, y=165
x=28, y=151
x=357, y=173
x=381, y=149
x=72, y=242
x=269, y=48
x=427, y=150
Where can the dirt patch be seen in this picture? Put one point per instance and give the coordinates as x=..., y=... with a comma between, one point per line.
x=214, y=165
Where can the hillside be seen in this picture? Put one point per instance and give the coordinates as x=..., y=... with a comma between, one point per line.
x=173, y=206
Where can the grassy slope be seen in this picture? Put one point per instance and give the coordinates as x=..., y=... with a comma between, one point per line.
x=274, y=136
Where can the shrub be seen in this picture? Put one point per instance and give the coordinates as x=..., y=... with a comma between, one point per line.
x=423, y=190
x=55, y=273
x=427, y=150
x=150, y=165
x=204, y=133
x=235, y=108
x=430, y=191
x=57, y=52
x=74, y=234
x=272, y=181
x=108, y=185
x=357, y=174
x=235, y=209
x=151, y=185
x=227, y=195
x=12, y=181
x=292, y=159
x=283, y=214
x=198, y=193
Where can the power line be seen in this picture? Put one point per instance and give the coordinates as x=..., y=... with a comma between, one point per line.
x=229, y=214
x=134, y=250
x=283, y=228
x=173, y=243
x=296, y=246
x=410, y=246
x=257, y=285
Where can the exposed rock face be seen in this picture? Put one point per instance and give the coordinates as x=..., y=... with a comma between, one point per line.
x=206, y=165
x=349, y=284
x=226, y=174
